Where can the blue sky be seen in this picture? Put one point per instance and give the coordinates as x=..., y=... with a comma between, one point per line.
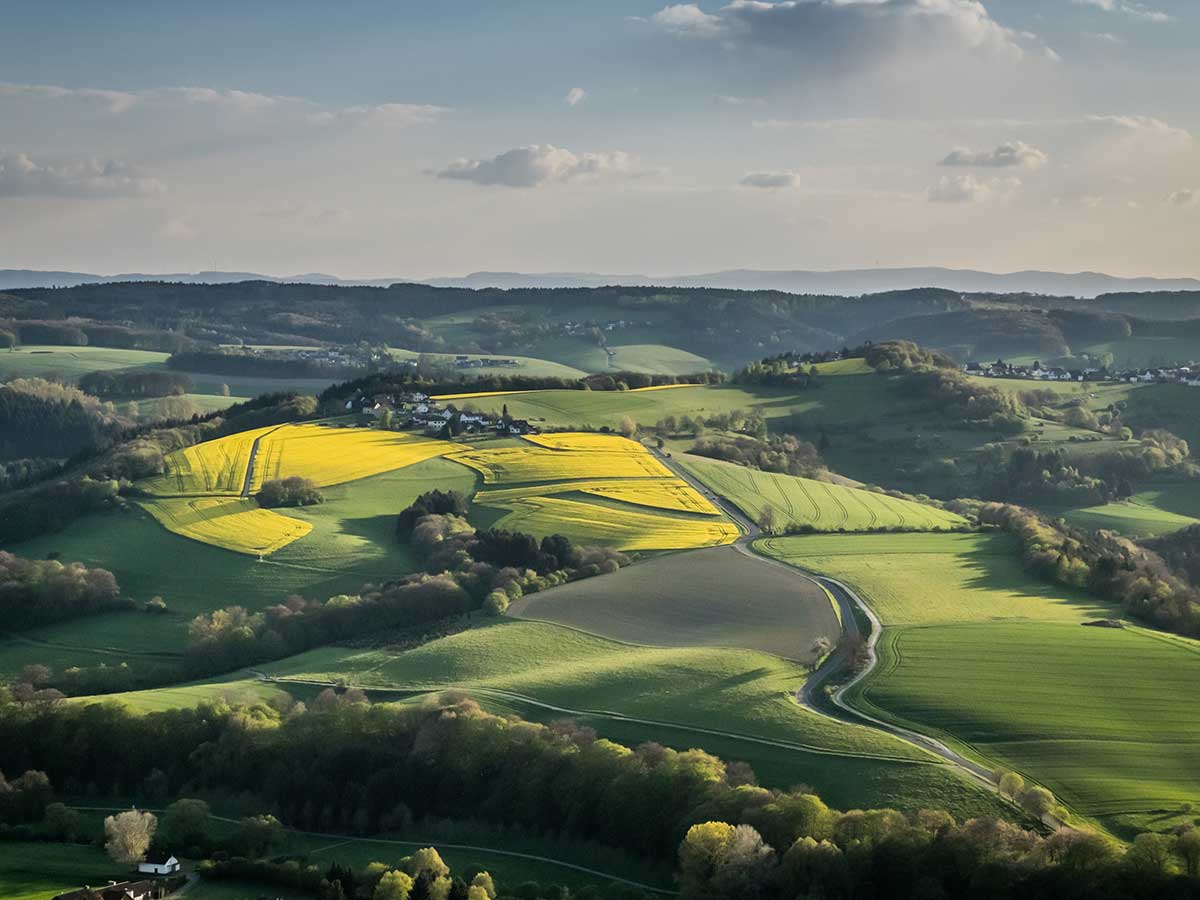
x=406, y=139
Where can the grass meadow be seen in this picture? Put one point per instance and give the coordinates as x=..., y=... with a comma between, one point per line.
x=39, y=871
x=975, y=650
x=735, y=703
x=817, y=504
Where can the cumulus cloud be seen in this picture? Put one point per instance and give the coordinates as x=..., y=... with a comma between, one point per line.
x=852, y=31
x=1186, y=197
x=21, y=176
x=689, y=20
x=575, y=96
x=1012, y=153
x=970, y=189
x=541, y=164
x=770, y=180
x=1132, y=8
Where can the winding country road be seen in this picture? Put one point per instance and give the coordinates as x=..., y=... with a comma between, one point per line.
x=838, y=662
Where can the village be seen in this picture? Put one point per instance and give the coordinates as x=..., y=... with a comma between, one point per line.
x=1188, y=375
x=417, y=410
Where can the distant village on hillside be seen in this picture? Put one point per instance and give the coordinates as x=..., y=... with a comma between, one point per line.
x=415, y=409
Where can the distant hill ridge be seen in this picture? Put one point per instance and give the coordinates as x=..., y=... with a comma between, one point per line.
x=848, y=282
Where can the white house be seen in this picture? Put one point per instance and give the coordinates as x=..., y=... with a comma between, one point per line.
x=168, y=867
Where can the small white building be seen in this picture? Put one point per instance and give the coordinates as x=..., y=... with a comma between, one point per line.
x=168, y=866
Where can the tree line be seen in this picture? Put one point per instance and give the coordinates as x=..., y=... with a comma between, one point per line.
x=358, y=768
x=134, y=383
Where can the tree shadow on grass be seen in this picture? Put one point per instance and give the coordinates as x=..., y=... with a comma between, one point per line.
x=995, y=565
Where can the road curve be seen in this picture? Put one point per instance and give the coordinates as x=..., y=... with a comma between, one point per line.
x=838, y=662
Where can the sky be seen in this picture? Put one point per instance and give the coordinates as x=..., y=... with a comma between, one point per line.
x=414, y=139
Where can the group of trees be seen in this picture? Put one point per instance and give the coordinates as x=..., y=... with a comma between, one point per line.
x=291, y=491
x=359, y=768
x=36, y=592
x=778, y=371
x=24, y=798
x=40, y=418
x=134, y=383
x=785, y=453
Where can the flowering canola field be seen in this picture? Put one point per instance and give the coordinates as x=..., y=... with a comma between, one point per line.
x=331, y=456
x=229, y=522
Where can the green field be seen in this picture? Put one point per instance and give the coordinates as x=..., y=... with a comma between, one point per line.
x=737, y=704
x=71, y=362
x=704, y=598
x=1157, y=510
x=352, y=542
x=977, y=652
x=657, y=359
x=816, y=504
x=37, y=871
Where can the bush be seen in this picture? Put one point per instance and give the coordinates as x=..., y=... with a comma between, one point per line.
x=293, y=491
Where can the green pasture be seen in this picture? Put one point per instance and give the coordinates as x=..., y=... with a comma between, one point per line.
x=38, y=871
x=35, y=361
x=716, y=597
x=352, y=542
x=805, y=502
x=1160, y=509
x=976, y=651
x=738, y=704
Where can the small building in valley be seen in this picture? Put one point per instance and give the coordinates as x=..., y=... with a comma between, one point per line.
x=118, y=890
x=168, y=866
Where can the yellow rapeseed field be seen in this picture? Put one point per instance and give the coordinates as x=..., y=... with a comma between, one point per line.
x=214, y=467
x=520, y=465
x=330, y=456
x=660, y=493
x=588, y=440
x=228, y=522
x=626, y=530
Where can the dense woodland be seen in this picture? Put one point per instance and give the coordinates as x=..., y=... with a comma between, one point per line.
x=354, y=768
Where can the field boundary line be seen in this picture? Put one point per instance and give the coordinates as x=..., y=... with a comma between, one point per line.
x=420, y=689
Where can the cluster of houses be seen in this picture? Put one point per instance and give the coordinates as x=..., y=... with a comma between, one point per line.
x=1188, y=375
x=414, y=409
x=148, y=889
x=578, y=329
x=485, y=362
x=334, y=359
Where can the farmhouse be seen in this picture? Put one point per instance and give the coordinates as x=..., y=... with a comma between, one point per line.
x=168, y=866
x=114, y=890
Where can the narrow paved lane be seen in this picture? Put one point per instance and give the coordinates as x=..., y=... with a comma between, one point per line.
x=838, y=662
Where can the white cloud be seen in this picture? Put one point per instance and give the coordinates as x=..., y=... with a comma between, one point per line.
x=540, y=164
x=850, y=31
x=234, y=101
x=770, y=180
x=1186, y=197
x=1104, y=37
x=1131, y=8
x=688, y=20
x=116, y=101
x=242, y=101
x=575, y=96
x=1146, y=125
x=21, y=176
x=396, y=114
x=970, y=189
x=1012, y=153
